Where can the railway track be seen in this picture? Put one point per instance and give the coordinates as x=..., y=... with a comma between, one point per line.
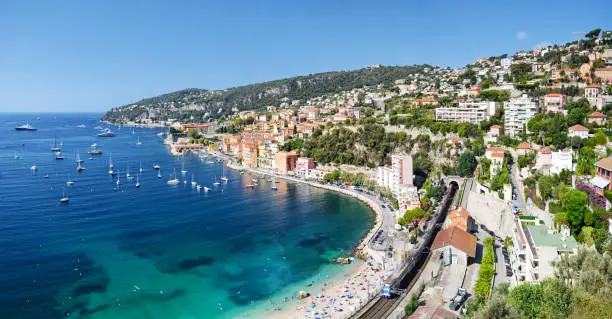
x=383, y=307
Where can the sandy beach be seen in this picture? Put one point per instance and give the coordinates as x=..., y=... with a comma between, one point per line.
x=336, y=297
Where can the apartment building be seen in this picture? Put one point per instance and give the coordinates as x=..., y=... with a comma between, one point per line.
x=518, y=112
x=554, y=103
x=401, y=166
x=384, y=176
x=469, y=112
x=535, y=248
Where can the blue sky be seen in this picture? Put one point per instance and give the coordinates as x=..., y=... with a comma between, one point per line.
x=93, y=55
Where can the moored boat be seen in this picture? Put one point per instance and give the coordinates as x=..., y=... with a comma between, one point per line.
x=25, y=127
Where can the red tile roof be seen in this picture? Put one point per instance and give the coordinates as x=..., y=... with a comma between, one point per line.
x=578, y=127
x=597, y=114
x=496, y=126
x=524, y=146
x=554, y=94
x=592, y=86
x=545, y=150
x=605, y=163
x=498, y=154
x=457, y=238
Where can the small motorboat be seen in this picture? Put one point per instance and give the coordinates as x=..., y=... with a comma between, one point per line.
x=155, y=166
x=64, y=199
x=59, y=156
x=250, y=186
x=26, y=127
x=33, y=168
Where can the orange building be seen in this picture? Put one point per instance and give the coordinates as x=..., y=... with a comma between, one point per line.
x=285, y=161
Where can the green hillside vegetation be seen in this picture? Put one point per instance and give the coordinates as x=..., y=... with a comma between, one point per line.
x=257, y=96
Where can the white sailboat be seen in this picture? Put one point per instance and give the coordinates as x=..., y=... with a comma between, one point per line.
x=127, y=174
x=34, y=168
x=141, y=169
x=69, y=182
x=110, y=165
x=223, y=177
x=193, y=182
x=137, y=182
x=215, y=183
x=59, y=156
x=55, y=148
x=138, y=141
x=118, y=182
x=183, y=170
x=159, y=175
x=155, y=166
x=64, y=199
x=174, y=180
x=80, y=168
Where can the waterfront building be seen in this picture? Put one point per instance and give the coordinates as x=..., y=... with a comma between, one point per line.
x=401, y=165
x=518, y=112
x=384, y=176
x=285, y=162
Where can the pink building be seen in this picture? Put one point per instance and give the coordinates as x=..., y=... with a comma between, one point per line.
x=554, y=102
x=304, y=164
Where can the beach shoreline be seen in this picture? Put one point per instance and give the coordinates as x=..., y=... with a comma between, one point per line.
x=346, y=293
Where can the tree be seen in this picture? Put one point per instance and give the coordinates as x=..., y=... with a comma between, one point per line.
x=575, y=206
x=467, y=164
x=575, y=116
x=586, y=161
x=545, y=185
x=411, y=216
x=600, y=138
x=593, y=33
x=520, y=71
x=527, y=299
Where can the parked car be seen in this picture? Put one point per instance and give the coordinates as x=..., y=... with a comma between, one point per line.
x=458, y=299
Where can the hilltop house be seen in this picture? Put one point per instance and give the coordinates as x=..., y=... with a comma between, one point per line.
x=578, y=130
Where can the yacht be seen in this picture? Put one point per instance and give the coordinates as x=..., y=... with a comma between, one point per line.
x=137, y=182
x=64, y=199
x=94, y=150
x=110, y=166
x=141, y=169
x=118, y=182
x=69, y=182
x=193, y=182
x=206, y=189
x=174, y=180
x=46, y=176
x=79, y=160
x=55, y=148
x=155, y=166
x=59, y=156
x=33, y=168
x=106, y=133
x=98, y=128
x=26, y=127
x=159, y=175
x=198, y=187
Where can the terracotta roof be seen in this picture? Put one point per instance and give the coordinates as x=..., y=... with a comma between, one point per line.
x=431, y=312
x=524, y=146
x=457, y=238
x=597, y=114
x=495, y=148
x=498, y=154
x=578, y=127
x=545, y=150
x=603, y=69
x=496, y=126
x=592, y=86
x=554, y=94
x=459, y=218
x=605, y=163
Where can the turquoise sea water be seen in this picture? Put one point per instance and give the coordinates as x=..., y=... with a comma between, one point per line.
x=160, y=251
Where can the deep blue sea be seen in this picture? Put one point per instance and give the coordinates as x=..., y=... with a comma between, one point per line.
x=160, y=251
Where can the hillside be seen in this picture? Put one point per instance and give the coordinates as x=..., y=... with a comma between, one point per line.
x=212, y=104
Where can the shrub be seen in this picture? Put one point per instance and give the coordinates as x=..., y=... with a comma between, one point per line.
x=411, y=306
x=482, y=287
x=554, y=208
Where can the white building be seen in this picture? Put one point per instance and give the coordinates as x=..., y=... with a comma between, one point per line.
x=384, y=177
x=517, y=113
x=578, y=130
x=535, y=248
x=401, y=166
x=562, y=160
x=470, y=112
